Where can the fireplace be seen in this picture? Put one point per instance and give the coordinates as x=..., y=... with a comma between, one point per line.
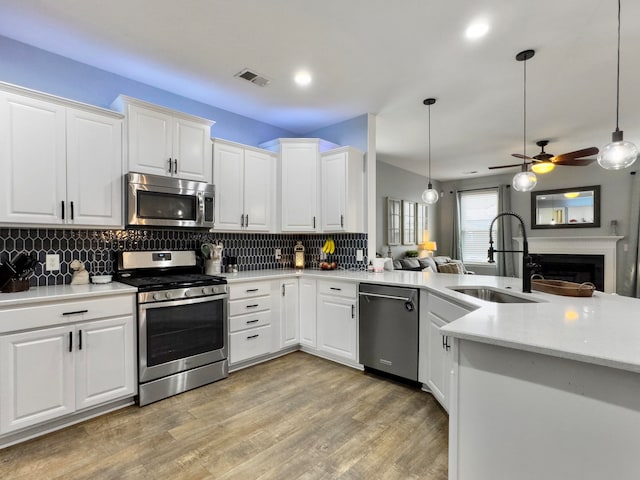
x=604, y=246
x=572, y=268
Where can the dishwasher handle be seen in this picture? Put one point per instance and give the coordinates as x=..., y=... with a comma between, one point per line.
x=390, y=297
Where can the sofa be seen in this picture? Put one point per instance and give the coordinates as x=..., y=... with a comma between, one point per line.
x=440, y=264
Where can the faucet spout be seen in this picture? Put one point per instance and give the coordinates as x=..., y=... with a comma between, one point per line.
x=527, y=263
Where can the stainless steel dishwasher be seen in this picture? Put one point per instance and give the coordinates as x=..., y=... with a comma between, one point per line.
x=389, y=329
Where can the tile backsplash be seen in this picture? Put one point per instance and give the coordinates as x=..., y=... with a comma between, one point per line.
x=97, y=248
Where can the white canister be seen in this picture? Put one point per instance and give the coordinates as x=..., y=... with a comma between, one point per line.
x=378, y=265
x=212, y=267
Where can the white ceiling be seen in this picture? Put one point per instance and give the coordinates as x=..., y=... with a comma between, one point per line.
x=371, y=56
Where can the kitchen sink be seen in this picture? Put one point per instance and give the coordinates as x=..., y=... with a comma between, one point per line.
x=491, y=295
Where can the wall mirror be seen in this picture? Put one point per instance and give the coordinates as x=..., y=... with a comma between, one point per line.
x=394, y=217
x=576, y=207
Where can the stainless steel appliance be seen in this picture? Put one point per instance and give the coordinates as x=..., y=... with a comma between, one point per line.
x=153, y=200
x=389, y=329
x=182, y=322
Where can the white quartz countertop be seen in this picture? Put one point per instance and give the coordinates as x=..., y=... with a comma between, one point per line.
x=63, y=292
x=603, y=329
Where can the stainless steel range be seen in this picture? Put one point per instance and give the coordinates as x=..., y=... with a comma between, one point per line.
x=182, y=322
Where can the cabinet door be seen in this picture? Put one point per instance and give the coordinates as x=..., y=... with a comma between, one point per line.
x=228, y=177
x=299, y=183
x=307, y=297
x=334, y=177
x=436, y=378
x=105, y=364
x=36, y=377
x=337, y=327
x=192, y=150
x=289, y=313
x=32, y=160
x=150, y=141
x=258, y=190
x=94, y=168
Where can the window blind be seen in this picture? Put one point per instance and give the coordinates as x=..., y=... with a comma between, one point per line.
x=477, y=209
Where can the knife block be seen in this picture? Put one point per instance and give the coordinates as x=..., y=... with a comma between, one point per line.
x=15, y=285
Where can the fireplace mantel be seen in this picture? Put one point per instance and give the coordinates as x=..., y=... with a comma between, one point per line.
x=602, y=245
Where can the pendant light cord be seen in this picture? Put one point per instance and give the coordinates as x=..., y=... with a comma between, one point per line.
x=618, y=75
x=524, y=128
x=429, y=138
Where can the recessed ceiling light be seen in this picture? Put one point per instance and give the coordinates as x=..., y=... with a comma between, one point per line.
x=476, y=30
x=302, y=78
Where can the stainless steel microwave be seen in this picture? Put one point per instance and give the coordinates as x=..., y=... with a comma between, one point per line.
x=156, y=201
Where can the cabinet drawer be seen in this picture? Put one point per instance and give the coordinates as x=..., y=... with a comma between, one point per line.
x=247, y=290
x=242, y=322
x=63, y=312
x=249, y=343
x=342, y=289
x=249, y=305
x=444, y=309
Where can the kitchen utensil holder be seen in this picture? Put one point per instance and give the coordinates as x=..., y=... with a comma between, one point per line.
x=16, y=285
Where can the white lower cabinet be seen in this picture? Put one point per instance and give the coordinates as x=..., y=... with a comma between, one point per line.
x=337, y=324
x=439, y=362
x=308, y=300
x=289, y=315
x=50, y=372
x=250, y=321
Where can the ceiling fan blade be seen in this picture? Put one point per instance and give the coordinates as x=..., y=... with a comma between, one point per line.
x=506, y=166
x=519, y=155
x=585, y=152
x=576, y=162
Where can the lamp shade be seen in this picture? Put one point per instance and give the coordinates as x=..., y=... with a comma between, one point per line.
x=431, y=246
x=543, y=167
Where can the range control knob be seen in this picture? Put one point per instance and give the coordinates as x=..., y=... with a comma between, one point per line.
x=167, y=295
x=157, y=296
x=188, y=293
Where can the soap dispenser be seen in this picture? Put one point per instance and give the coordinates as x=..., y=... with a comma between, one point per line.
x=298, y=255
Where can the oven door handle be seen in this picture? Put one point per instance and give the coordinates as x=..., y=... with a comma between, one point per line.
x=184, y=301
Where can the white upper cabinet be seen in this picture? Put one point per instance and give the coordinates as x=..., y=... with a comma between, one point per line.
x=165, y=142
x=244, y=178
x=61, y=161
x=342, y=190
x=299, y=176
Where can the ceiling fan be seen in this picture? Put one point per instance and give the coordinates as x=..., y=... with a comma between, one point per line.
x=545, y=162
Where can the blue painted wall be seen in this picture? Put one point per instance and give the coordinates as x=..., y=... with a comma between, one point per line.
x=38, y=69
x=350, y=132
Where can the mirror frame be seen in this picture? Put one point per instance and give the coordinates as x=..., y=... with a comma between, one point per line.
x=596, y=207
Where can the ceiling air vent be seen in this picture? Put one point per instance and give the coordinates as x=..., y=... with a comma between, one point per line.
x=253, y=77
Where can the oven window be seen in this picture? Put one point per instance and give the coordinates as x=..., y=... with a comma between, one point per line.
x=166, y=206
x=183, y=331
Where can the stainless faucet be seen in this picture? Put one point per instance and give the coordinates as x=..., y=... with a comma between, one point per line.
x=527, y=263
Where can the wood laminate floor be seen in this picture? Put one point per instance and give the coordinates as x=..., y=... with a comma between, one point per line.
x=295, y=417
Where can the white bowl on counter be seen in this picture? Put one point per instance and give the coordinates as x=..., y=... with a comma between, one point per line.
x=101, y=279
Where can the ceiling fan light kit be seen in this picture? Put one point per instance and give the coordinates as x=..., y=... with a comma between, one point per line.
x=544, y=166
x=430, y=196
x=619, y=153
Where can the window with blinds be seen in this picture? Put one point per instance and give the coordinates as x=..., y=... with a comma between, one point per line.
x=477, y=209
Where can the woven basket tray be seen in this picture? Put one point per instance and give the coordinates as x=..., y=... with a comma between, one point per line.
x=561, y=287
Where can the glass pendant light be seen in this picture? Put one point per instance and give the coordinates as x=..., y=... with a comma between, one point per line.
x=526, y=180
x=619, y=153
x=430, y=196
